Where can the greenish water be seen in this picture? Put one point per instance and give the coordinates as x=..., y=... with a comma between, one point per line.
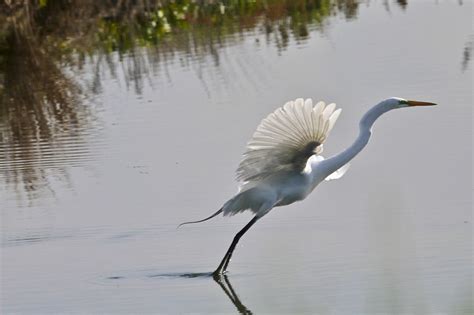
x=115, y=129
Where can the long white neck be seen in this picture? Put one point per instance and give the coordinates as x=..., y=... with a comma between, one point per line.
x=332, y=164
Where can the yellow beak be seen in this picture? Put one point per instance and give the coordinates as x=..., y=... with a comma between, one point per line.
x=418, y=103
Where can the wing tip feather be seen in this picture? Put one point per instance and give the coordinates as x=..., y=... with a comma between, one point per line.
x=283, y=133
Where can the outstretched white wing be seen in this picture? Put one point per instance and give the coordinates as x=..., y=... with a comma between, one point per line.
x=286, y=138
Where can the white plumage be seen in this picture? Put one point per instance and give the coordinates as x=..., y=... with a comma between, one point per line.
x=286, y=138
x=277, y=166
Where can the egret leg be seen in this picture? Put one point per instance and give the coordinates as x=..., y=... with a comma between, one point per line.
x=225, y=261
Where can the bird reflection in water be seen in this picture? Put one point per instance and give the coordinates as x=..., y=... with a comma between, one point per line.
x=224, y=283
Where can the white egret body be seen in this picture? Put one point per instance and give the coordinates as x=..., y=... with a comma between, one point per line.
x=282, y=163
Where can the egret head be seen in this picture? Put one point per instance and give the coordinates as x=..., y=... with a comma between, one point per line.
x=386, y=105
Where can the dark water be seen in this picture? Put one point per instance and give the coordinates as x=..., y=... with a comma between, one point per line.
x=129, y=130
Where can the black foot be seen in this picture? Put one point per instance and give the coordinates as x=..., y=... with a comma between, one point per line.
x=218, y=274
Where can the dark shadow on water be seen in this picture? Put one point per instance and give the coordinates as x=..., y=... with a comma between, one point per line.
x=115, y=278
x=222, y=280
x=149, y=275
x=182, y=275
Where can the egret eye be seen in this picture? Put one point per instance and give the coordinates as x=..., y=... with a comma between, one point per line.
x=403, y=102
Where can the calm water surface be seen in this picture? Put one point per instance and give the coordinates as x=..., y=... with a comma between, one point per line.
x=93, y=187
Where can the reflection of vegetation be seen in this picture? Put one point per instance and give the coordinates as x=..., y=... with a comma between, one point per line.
x=154, y=27
x=85, y=28
x=402, y=3
x=71, y=31
x=39, y=102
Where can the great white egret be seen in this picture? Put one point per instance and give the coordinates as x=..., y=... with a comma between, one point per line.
x=282, y=163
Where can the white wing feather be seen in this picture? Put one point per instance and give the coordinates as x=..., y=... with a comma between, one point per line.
x=339, y=173
x=286, y=138
x=336, y=175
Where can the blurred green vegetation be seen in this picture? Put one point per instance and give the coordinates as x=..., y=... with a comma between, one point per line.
x=84, y=27
x=41, y=40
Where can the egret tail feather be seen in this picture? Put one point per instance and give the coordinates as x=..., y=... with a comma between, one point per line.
x=199, y=221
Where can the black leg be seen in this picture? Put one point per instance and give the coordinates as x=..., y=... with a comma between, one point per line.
x=225, y=261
